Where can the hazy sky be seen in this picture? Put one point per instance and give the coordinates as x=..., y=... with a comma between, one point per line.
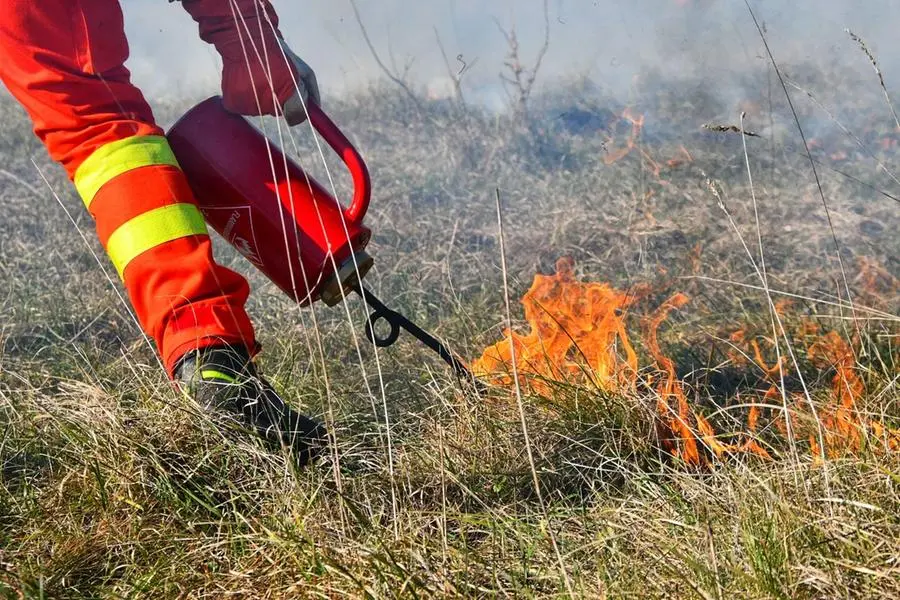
x=608, y=39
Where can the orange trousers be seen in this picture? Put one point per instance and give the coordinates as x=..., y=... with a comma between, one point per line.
x=63, y=60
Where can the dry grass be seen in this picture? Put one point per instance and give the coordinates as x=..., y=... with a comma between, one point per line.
x=112, y=486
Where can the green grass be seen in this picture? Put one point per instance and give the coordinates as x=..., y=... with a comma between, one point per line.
x=114, y=486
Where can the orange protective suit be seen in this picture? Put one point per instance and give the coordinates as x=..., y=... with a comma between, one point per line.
x=63, y=60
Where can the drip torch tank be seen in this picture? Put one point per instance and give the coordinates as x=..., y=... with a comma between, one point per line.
x=272, y=212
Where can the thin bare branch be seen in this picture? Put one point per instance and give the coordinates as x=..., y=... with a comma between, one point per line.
x=455, y=76
x=392, y=75
x=521, y=78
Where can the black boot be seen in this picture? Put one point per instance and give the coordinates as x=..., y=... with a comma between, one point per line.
x=224, y=378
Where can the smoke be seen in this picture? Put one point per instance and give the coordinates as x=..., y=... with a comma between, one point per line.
x=609, y=41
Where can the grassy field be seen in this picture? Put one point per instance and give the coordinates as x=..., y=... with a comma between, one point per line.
x=114, y=486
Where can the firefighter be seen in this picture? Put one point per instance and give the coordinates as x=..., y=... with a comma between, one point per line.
x=63, y=60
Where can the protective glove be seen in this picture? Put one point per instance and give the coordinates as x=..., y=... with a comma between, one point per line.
x=306, y=88
x=261, y=75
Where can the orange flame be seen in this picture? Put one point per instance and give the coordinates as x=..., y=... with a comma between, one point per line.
x=636, y=122
x=578, y=334
x=576, y=331
x=837, y=422
x=844, y=428
x=675, y=426
x=876, y=282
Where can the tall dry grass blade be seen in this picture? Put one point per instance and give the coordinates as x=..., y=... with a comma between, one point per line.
x=345, y=304
x=887, y=96
x=875, y=314
x=824, y=165
x=717, y=193
x=844, y=129
x=764, y=280
x=812, y=163
x=520, y=403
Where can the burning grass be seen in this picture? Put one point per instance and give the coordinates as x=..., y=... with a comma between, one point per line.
x=578, y=332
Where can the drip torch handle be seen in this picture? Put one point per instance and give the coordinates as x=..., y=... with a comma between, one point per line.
x=362, y=185
x=398, y=321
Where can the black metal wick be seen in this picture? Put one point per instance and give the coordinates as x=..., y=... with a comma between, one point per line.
x=396, y=321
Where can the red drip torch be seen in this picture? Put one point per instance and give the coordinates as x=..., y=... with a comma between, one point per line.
x=280, y=218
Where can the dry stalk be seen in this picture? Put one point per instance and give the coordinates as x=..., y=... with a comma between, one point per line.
x=520, y=403
x=844, y=129
x=812, y=164
x=714, y=188
x=887, y=97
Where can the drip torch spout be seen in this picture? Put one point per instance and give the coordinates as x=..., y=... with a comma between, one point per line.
x=398, y=321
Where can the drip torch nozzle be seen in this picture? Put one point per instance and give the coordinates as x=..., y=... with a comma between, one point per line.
x=398, y=321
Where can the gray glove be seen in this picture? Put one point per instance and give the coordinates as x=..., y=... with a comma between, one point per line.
x=307, y=89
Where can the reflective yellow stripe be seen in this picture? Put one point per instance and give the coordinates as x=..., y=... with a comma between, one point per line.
x=151, y=229
x=117, y=157
x=212, y=374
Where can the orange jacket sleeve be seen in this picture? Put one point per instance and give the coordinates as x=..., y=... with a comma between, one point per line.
x=257, y=76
